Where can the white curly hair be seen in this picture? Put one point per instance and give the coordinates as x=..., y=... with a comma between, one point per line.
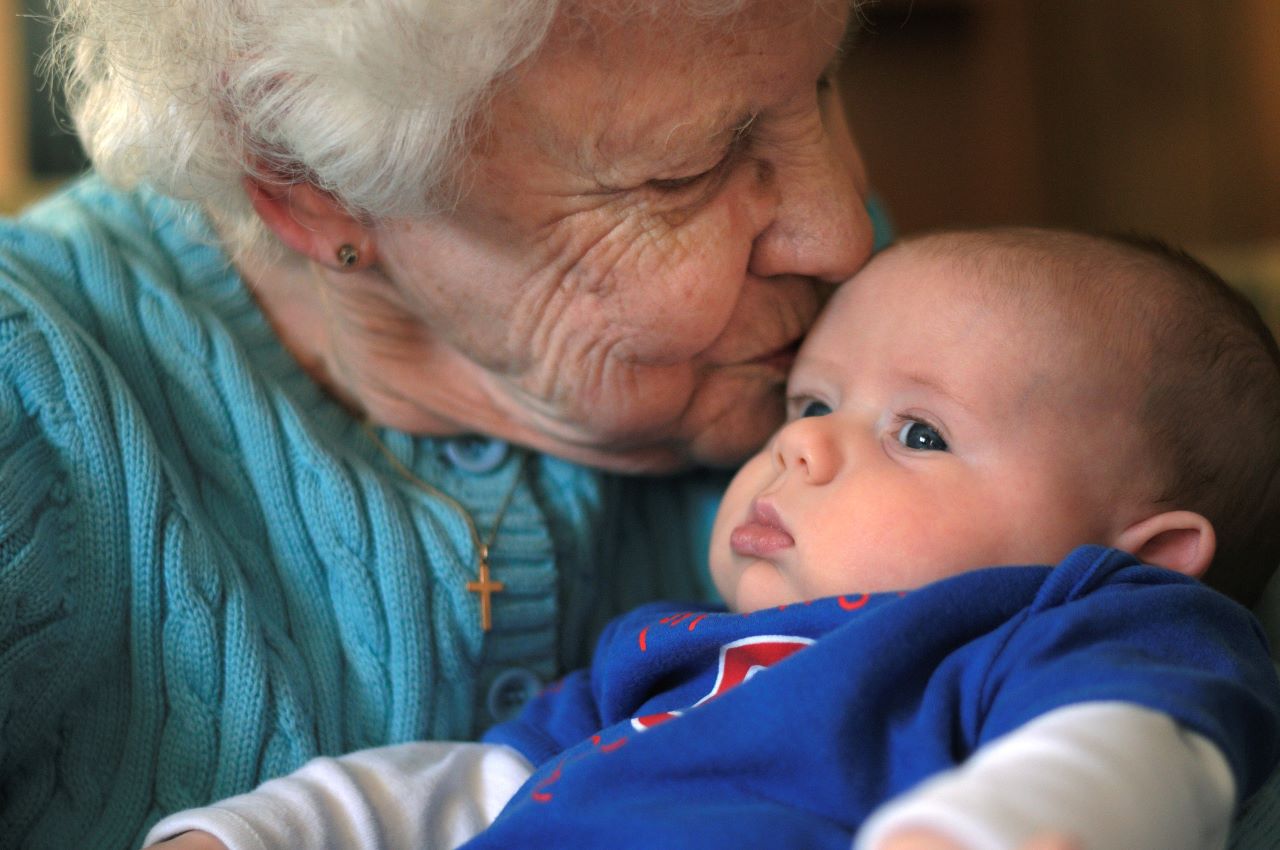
x=370, y=100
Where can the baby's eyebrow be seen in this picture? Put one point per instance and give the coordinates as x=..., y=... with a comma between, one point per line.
x=935, y=385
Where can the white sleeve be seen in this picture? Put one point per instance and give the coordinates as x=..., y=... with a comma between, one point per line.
x=411, y=796
x=1112, y=776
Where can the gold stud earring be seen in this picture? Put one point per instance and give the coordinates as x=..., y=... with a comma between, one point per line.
x=348, y=256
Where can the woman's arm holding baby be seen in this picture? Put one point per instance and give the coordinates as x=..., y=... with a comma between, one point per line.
x=428, y=794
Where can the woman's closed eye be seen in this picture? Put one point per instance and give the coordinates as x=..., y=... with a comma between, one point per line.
x=737, y=144
x=675, y=184
x=722, y=167
x=921, y=436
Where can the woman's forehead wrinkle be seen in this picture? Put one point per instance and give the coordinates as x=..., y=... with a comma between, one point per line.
x=679, y=95
x=649, y=133
x=647, y=103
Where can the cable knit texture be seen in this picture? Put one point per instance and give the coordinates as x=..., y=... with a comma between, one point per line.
x=208, y=575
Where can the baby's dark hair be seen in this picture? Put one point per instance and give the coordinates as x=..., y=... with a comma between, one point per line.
x=1212, y=410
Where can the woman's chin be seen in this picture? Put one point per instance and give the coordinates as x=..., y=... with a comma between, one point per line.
x=656, y=428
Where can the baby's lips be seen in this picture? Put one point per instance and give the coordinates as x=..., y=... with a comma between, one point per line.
x=759, y=541
x=763, y=534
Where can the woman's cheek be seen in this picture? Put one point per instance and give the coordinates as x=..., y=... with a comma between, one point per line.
x=680, y=282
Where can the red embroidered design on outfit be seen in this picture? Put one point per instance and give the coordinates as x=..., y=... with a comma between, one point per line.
x=739, y=661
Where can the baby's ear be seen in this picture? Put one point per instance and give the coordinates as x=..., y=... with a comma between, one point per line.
x=1182, y=541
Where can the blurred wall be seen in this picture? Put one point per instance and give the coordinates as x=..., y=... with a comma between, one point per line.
x=36, y=151
x=13, y=100
x=1155, y=115
x=1159, y=115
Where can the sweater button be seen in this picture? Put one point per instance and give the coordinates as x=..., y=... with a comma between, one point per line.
x=475, y=454
x=510, y=690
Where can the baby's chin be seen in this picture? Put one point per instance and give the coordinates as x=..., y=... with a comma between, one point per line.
x=760, y=585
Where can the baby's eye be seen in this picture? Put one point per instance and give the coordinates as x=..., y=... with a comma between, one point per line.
x=813, y=407
x=921, y=436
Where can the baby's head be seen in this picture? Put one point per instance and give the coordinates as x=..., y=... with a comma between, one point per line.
x=1001, y=397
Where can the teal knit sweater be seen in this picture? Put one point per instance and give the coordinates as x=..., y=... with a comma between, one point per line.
x=208, y=574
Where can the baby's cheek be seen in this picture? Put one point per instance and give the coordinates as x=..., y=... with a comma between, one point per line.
x=734, y=509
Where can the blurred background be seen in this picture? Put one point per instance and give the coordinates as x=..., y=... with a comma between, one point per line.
x=1157, y=113
x=35, y=151
x=1161, y=116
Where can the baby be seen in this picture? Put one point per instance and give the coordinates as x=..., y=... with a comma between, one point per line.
x=968, y=403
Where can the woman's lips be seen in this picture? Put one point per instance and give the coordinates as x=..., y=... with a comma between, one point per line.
x=762, y=534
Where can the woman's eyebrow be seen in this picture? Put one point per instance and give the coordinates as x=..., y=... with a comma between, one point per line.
x=729, y=136
x=718, y=130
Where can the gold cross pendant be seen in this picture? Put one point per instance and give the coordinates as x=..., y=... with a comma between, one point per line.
x=486, y=587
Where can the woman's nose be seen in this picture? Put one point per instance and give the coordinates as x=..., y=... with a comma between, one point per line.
x=807, y=447
x=820, y=227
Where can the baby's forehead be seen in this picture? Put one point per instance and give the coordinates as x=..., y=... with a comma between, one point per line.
x=1088, y=283
x=1052, y=298
x=1023, y=262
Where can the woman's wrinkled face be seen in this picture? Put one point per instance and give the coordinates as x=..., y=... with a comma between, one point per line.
x=652, y=219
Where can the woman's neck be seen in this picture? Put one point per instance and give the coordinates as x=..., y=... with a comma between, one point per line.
x=352, y=333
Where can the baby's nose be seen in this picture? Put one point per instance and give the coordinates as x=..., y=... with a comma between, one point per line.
x=807, y=447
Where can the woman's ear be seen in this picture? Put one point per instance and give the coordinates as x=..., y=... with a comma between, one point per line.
x=1182, y=541
x=310, y=221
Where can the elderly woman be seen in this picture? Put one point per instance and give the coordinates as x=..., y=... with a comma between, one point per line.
x=315, y=393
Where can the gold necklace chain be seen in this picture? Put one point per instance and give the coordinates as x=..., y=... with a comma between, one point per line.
x=484, y=586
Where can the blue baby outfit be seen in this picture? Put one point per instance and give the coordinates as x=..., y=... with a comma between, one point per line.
x=795, y=723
